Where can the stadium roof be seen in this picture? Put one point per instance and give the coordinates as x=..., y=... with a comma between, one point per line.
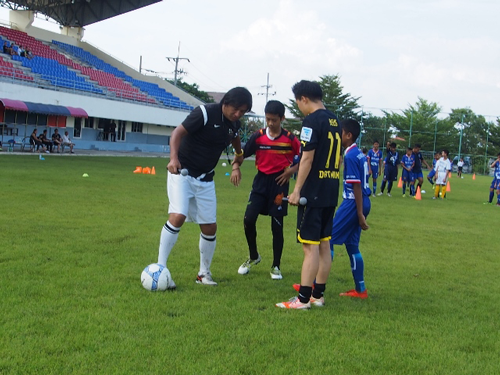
x=78, y=13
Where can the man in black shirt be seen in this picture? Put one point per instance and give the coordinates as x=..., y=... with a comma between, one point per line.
x=196, y=146
x=318, y=181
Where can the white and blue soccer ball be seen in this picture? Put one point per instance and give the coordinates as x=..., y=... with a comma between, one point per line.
x=156, y=277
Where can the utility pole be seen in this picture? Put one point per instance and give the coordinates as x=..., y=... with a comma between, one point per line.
x=176, y=59
x=267, y=86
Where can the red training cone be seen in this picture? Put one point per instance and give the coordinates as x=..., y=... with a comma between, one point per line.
x=474, y=176
x=153, y=171
x=138, y=170
x=448, y=188
x=400, y=183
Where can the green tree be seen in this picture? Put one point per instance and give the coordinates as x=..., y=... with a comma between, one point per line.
x=193, y=89
x=342, y=104
x=374, y=128
x=420, y=124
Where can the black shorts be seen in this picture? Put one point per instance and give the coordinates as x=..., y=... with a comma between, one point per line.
x=460, y=169
x=391, y=174
x=264, y=192
x=314, y=224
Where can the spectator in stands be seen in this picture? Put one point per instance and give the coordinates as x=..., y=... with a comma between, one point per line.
x=112, y=131
x=57, y=140
x=47, y=142
x=21, y=51
x=6, y=48
x=14, y=49
x=35, y=141
x=28, y=54
x=66, y=141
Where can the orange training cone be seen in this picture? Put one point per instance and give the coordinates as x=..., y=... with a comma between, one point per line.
x=146, y=170
x=400, y=183
x=474, y=176
x=418, y=195
x=138, y=170
x=448, y=188
x=449, y=174
x=153, y=171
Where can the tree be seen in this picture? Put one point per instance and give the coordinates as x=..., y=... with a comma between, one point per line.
x=374, y=128
x=420, y=124
x=342, y=104
x=193, y=89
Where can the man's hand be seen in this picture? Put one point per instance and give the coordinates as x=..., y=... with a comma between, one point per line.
x=293, y=198
x=174, y=166
x=236, y=176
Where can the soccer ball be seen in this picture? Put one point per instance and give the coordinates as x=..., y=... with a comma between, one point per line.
x=156, y=277
x=224, y=164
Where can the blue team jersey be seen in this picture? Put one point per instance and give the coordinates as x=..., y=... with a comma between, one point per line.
x=392, y=159
x=355, y=172
x=374, y=158
x=496, y=173
x=434, y=163
x=408, y=161
x=418, y=162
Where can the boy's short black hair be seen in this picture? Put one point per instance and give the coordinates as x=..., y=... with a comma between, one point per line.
x=409, y=149
x=364, y=150
x=446, y=152
x=308, y=89
x=275, y=107
x=236, y=97
x=351, y=126
x=417, y=145
x=393, y=145
x=375, y=141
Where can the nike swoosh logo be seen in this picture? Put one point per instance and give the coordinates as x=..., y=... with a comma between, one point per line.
x=216, y=126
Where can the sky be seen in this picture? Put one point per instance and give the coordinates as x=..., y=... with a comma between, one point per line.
x=389, y=53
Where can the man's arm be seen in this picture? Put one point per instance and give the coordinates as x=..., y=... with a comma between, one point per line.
x=304, y=169
x=237, y=161
x=174, y=165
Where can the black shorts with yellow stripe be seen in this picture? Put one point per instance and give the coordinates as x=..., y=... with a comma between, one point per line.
x=314, y=224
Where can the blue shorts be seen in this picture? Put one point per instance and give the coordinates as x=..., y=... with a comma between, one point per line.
x=346, y=229
x=407, y=176
x=391, y=174
x=495, y=184
x=431, y=174
x=374, y=173
x=417, y=175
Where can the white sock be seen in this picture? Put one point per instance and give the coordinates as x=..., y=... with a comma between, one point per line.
x=168, y=238
x=207, y=250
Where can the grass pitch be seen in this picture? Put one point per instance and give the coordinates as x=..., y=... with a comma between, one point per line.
x=71, y=302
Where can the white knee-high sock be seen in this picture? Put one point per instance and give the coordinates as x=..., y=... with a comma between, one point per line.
x=168, y=238
x=207, y=250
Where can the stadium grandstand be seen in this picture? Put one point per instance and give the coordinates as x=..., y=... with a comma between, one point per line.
x=50, y=80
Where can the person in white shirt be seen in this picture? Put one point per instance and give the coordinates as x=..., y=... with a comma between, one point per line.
x=66, y=141
x=442, y=168
x=460, y=166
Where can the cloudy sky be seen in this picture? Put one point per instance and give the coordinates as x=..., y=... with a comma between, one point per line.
x=389, y=53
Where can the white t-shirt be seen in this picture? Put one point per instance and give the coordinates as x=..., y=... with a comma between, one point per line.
x=460, y=164
x=66, y=139
x=442, y=168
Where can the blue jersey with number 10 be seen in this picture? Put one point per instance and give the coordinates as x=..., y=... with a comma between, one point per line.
x=355, y=172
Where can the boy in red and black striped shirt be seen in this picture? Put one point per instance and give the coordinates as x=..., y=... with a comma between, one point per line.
x=274, y=149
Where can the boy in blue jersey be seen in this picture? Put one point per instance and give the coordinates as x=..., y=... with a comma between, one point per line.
x=495, y=184
x=408, y=162
x=375, y=162
x=351, y=215
x=391, y=169
x=417, y=168
x=432, y=173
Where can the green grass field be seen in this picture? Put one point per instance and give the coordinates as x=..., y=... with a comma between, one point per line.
x=71, y=302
